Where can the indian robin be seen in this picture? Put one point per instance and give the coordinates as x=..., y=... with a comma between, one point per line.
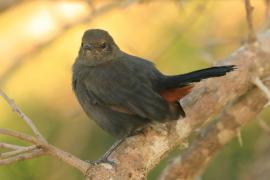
x=124, y=93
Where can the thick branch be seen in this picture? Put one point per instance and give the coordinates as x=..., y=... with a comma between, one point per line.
x=213, y=138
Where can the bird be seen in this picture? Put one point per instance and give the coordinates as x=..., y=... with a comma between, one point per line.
x=123, y=93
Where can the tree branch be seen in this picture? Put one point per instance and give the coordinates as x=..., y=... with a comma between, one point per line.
x=264, y=125
x=50, y=149
x=251, y=33
x=212, y=138
x=4, y=5
x=24, y=156
x=93, y=12
x=10, y=146
x=21, y=136
x=267, y=4
x=19, y=151
x=27, y=120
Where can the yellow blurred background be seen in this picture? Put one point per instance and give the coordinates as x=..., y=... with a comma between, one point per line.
x=39, y=41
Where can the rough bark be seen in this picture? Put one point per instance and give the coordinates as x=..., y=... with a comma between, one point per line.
x=214, y=137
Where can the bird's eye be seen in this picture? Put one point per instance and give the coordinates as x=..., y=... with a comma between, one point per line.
x=103, y=45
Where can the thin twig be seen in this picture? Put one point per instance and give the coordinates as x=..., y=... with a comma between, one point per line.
x=251, y=33
x=16, y=152
x=267, y=4
x=40, y=142
x=263, y=88
x=239, y=136
x=24, y=156
x=28, y=121
x=11, y=146
x=52, y=150
x=22, y=136
x=264, y=125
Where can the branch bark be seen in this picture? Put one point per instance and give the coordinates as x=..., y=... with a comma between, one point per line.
x=48, y=149
x=251, y=33
x=16, y=152
x=10, y=146
x=21, y=157
x=212, y=138
x=26, y=119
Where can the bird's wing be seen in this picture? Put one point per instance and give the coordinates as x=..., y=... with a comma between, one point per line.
x=121, y=89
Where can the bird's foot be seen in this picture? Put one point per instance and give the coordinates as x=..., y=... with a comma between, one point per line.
x=101, y=160
x=104, y=158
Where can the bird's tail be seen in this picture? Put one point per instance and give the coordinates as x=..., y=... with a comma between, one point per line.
x=195, y=76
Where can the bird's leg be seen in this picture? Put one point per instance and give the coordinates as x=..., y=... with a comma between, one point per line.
x=104, y=158
x=112, y=148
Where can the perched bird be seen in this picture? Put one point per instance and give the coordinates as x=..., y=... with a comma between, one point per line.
x=124, y=93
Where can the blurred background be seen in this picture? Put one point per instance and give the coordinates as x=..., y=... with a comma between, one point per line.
x=39, y=41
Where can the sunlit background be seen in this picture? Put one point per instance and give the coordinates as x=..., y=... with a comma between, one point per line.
x=39, y=41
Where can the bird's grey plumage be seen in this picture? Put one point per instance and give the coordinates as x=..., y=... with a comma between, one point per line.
x=121, y=92
x=109, y=85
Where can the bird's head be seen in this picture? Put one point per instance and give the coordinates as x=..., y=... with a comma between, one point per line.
x=97, y=47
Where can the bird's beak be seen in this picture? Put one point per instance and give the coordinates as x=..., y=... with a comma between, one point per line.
x=87, y=47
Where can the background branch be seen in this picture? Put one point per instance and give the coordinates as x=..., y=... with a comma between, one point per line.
x=5, y=4
x=251, y=33
x=264, y=125
x=10, y=146
x=25, y=156
x=93, y=12
x=19, y=151
x=50, y=149
x=22, y=115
